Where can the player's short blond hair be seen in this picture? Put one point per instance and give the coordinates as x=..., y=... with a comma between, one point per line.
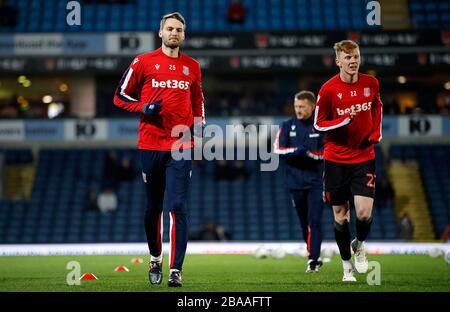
x=175, y=15
x=345, y=46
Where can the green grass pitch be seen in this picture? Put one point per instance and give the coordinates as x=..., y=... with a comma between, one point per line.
x=237, y=273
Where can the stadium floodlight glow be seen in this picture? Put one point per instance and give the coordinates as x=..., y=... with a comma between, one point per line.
x=372, y=72
x=26, y=83
x=21, y=79
x=54, y=109
x=47, y=99
x=63, y=87
x=401, y=79
x=21, y=99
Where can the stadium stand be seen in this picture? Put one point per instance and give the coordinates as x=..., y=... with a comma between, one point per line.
x=143, y=15
x=256, y=208
x=262, y=15
x=410, y=197
x=430, y=14
x=45, y=200
x=435, y=173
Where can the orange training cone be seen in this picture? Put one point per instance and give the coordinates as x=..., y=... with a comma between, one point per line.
x=121, y=269
x=88, y=277
x=137, y=260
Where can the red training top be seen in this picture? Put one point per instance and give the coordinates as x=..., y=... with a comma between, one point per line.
x=349, y=141
x=155, y=76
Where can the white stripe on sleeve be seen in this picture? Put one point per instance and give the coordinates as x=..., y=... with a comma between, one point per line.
x=124, y=86
x=281, y=150
x=346, y=121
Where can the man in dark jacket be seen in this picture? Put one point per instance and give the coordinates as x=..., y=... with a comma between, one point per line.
x=301, y=147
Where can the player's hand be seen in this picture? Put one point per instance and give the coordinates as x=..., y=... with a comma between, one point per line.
x=152, y=109
x=368, y=141
x=316, y=155
x=298, y=151
x=373, y=139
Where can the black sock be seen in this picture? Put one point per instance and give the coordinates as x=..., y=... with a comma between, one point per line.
x=363, y=228
x=342, y=234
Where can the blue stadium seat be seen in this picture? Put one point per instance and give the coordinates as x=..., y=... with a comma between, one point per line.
x=255, y=209
x=201, y=15
x=436, y=179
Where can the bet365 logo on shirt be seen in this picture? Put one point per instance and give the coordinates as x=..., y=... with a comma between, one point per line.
x=170, y=84
x=355, y=108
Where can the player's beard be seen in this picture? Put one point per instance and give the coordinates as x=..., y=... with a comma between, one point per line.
x=172, y=45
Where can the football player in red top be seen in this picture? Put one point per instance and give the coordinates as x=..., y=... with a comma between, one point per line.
x=164, y=87
x=349, y=111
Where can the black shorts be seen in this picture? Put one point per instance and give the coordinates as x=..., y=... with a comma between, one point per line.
x=341, y=181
